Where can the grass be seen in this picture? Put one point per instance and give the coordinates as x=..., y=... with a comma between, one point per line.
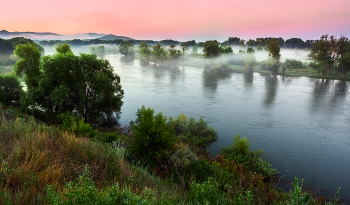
x=45, y=165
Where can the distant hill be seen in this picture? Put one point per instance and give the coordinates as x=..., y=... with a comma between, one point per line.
x=112, y=37
x=7, y=34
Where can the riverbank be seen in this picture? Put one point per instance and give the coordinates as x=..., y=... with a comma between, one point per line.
x=306, y=72
x=43, y=164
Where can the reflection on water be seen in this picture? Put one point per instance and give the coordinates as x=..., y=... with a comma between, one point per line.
x=299, y=122
x=210, y=80
x=248, y=79
x=127, y=60
x=271, y=83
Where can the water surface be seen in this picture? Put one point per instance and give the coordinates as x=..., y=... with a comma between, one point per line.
x=302, y=124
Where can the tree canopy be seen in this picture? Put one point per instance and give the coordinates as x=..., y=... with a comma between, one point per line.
x=83, y=84
x=211, y=49
x=126, y=48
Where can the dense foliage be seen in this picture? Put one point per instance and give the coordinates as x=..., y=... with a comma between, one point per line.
x=152, y=136
x=10, y=90
x=83, y=84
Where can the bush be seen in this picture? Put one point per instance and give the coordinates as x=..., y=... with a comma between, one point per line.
x=206, y=193
x=81, y=129
x=197, y=133
x=152, y=135
x=240, y=152
x=294, y=63
x=10, y=90
x=312, y=65
x=109, y=137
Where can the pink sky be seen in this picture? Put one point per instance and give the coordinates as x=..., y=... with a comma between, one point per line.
x=180, y=19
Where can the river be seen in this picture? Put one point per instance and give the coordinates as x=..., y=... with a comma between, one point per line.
x=301, y=123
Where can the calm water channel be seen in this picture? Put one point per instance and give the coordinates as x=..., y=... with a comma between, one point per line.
x=302, y=124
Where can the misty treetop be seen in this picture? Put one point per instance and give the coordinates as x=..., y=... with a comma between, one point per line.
x=63, y=82
x=331, y=54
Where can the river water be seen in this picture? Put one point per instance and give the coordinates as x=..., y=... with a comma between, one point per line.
x=301, y=123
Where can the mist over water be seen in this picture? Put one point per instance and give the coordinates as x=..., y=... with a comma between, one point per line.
x=301, y=123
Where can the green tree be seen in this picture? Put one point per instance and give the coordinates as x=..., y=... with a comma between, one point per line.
x=194, y=51
x=250, y=50
x=324, y=53
x=251, y=42
x=158, y=54
x=144, y=51
x=92, y=50
x=126, y=48
x=173, y=52
x=250, y=61
x=29, y=63
x=100, y=51
x=10, y=90
x=211, y=49
x=343, y=54
x=83, y=84
x=272, y=46
x=153, y=137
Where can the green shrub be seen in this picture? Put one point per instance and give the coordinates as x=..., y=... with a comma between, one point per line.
x=312, y=65
x=84, y=191
x=240, y=152
x=81, y=129
x=109, y=137
x=295, y=64
x=206, y=193
x=152, y=135
x=197, y=133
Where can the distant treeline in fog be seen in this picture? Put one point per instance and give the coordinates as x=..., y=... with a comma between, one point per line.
x=231, y=41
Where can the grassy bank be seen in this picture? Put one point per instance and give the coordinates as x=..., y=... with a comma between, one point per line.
x=46, y=165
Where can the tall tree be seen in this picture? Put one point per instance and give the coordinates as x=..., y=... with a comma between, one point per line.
x=272, y=46
x=126, y=48
x=158, y=54
x=324, y=53
x=343, y=54
x=144, y=51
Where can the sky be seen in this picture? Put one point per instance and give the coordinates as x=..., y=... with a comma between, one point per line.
x=180, y=19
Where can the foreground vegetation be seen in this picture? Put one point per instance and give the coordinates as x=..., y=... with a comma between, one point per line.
x=43, y=164
x=69, y=152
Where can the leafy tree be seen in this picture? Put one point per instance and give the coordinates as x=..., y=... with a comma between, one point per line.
x=250, y=50
x=92, y=50
x=188, y=43
x=29, y=63
x=343, y=54
x=211, y=49
x=272, y=46
x=324, y=53
x=10, y=90
x=194, y=50
x=232, y=41
x=144, y=51
x=173, y=52
x=83, y=84
x=64, y=49
x=158, y=54
x=295, y=43
x=250, y=61
x=153, y=137
x=126, y=48
x=251, y=42
x=225, y=50
x=100, y=51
